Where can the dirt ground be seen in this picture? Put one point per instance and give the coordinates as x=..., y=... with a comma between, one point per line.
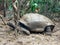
x=9, y=38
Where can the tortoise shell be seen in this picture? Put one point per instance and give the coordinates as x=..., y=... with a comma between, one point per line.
x=36, y=22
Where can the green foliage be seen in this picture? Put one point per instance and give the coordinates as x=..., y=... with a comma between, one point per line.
x=57, y=7
x=10, y=5
x=0, y=1
x=45, y=5
x=33, y=6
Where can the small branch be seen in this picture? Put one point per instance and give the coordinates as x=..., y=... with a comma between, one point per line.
x=3, y=20
x=4, y=8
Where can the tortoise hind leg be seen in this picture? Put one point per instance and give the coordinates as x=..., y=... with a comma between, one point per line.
x=27, y=32
x=24, y=28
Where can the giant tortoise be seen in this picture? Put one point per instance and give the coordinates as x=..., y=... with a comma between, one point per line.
x=34, y=22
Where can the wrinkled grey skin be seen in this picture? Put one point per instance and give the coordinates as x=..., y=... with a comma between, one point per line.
x=37, y=22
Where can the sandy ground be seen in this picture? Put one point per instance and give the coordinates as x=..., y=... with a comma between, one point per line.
x=9, y=37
